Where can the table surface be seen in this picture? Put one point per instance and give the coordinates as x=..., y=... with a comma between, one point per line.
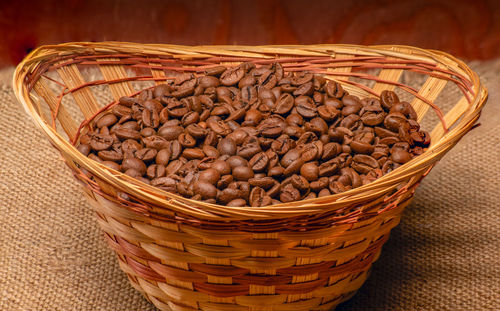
x=442, y=256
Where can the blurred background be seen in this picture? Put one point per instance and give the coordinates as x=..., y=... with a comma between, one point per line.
x=467, y=29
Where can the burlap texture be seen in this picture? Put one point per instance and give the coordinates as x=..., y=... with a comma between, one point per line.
x=443, y=256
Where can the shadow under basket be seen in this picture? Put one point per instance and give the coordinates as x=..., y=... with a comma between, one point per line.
x=183, y=254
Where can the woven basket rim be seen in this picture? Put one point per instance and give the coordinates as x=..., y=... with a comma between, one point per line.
x=422, y=162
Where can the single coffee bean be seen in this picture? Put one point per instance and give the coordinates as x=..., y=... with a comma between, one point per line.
x=310, y=171
x=170, y=132
x=300, y=183
x=400, y=156
x=242, y=173
x=106, y=120
x=146, y=154
x=329, y=168
x=155, y=142
x=263, y=182
x=361, y=147
x=224, y=181
x=237, y=203
x=334, y=89
x=84, y=149
x=363, y=164
x=193, y=153
x=205, y=189
x=276, y=171
x=101, y=142
x=211, y=176
x=259, y=162
x=112, y=165
x=290, y=157
x=134, y=163
x=323, y=193
x=235, y=161
x=305, y=106
x=289, y=194
x=227, y=146
x=155, y=171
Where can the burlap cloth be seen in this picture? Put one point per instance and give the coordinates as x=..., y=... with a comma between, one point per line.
x=443, y=256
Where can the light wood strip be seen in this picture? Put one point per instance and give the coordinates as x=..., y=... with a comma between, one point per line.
x=68, y=124
x=430, y=90
x=84, y=96
x=113, y=72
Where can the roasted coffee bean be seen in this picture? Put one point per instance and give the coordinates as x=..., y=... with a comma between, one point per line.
x=113, y=165
x=237, y=203
x=421, y=138
x=155, y=171
x=227, y=146
x=134, y=163
x=329, y=168
x=328, y=113
x=306, y=107
x=387, y=99
x=352, y=105
x=224, y=181
x=259, y=162
x=106, y=120
x=312, y=151
x=211, y=176
x=205, y=189
x=190, y=118
x=317, y=126
x=290, y=157
x=393, y=121
x=361, y=147
x=170, y=132
x=404, y=108
x=249, y=149
x=155, y=142
x=148, y=131
x=186, y=140
x=363, y=164
x=242, y=173
x=400, y=156
x=110, y=155
x=276, y=171
x=330, y=151
x=146, y=154
x=263, y=182
x=101, y=142
x=350, y=122
x=300, y=183
x=334, y=89
x=222, y=167
x=127, y=101
x=310, y=171
x=289, y=194
x=193, y=153
x=232, y=76
x=84, y=149
x=294, y=167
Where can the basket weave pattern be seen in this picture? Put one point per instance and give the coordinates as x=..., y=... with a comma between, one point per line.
x=189, y=255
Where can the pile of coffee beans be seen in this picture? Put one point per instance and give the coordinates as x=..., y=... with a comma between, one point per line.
x=254, y=136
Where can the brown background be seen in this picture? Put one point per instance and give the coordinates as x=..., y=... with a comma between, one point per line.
x=468, y=29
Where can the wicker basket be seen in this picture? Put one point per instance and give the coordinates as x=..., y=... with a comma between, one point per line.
x=189, y=255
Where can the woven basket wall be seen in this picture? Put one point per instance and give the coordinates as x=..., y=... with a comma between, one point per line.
x=189, y=255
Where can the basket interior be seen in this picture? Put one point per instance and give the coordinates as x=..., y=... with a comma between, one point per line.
x=73, y=83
